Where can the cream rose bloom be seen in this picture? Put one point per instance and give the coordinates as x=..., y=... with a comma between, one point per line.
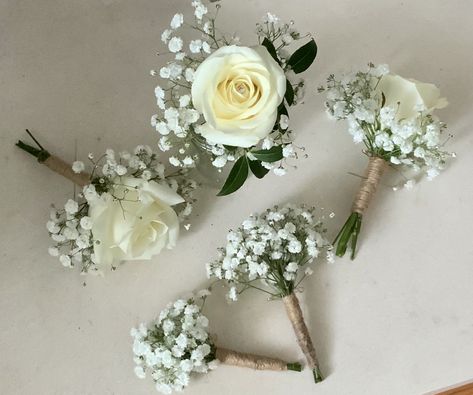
x=238, y=91
x=137, y=227
x=411, y=95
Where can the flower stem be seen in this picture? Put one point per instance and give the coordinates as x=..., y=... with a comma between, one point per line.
x=53, y=162
x=295, y=366
x=349, y=232
x=317, y=375
x=294, y=313
x=253, y=361
x=40, y=153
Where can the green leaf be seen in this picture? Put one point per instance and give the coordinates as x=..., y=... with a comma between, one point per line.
x=236, y=178
x=270, y=47
x=258, y=169
x=282, y=110
x=289, y=93
x=303, y=57
x=269, y=155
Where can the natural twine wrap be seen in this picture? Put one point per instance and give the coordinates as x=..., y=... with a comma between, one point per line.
x=244, y=360
x=294, y=313
x=65, y=169
x=374, y=171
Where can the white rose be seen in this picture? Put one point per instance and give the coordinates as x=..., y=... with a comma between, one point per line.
x=137, y=226
x=411, y=95
x=238, y=91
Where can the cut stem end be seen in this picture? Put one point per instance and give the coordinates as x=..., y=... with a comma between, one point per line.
x=295, y=366
x=317, y=375
x=348, y=235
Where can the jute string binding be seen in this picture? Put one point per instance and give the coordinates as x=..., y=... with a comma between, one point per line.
x=294, y=313
x=241, y=359
x=374, y=172
x=65, y=169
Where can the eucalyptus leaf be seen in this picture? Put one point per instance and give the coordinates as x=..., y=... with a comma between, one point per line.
x=269, y=155
x=303, y=57
x=236, y=178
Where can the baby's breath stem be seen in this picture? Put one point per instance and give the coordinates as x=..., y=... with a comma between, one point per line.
x=294, y=313
x=252, y=361
x=351, y=229
x=53, y=162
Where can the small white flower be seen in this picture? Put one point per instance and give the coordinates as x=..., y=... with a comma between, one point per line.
x=53, y=251
x=220, y=161
x=232, y=294
x=65, y=260
x=177, y=21
x=280, y=171
x=140, y=373
x=71, y=206
x=284, y=122
x=166, y=35
x=195, y=46
x=174, y=161
x=78, y=167
x=184, y=100
x=175, y=44
x=86, y=223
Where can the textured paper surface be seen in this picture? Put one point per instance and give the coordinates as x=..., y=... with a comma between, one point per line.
x=397, y=321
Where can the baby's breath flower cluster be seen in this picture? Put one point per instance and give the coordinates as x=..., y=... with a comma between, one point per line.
x=71, y=227
x=179, y=123
x=174, y=346
x=274, y=248
x=414, y=142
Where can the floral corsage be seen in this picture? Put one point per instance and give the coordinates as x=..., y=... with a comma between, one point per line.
x=272, y=252
x=393, y=117
x=129, y=208
x=223, y=102
x=177, y=345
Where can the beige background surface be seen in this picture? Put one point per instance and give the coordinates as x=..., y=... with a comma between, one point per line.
x=397, y=321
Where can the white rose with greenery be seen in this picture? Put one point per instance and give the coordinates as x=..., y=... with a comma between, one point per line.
x=227, y=103
x=238, y=91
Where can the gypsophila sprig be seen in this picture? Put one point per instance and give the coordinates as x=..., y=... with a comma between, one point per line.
x=174, y=346
x=177, y=345
x=129, y=208
x=393, y=117
x=272, y=252
x=226, y=103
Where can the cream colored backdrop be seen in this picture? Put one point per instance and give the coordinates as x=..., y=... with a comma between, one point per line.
x=399, y=320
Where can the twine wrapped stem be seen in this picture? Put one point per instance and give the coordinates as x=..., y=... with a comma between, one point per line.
x=351, y=228
x=294, y=313
x=53, y=162
x=252, y=361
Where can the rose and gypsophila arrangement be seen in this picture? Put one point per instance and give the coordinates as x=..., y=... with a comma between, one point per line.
x=272, y=252
x=178, y=345
x=393, y=117
x=227, y=103
x=129, y=208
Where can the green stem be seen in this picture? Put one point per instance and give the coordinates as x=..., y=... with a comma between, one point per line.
x=317, y=375
x=40, y=153
x=348, y=235
x=295, y=366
